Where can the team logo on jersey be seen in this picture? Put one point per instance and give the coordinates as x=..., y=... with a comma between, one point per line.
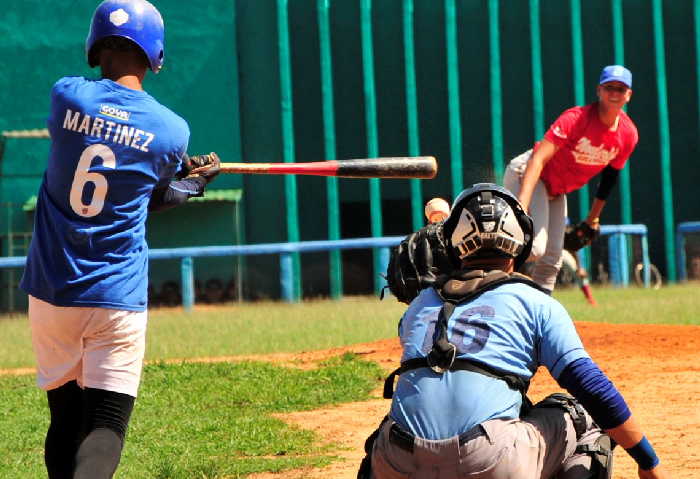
x=114, y=112
x=586, y=153
x=557, y=131
x=119, y=17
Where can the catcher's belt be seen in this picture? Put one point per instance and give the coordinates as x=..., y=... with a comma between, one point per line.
x=405, y=439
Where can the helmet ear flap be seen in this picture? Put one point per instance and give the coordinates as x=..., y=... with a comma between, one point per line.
x=528, y=228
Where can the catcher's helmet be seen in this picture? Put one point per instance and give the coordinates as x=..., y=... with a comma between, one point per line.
x=136, y=20
x=488, y=220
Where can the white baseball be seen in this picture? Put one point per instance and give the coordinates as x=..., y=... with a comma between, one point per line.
x=436, y=210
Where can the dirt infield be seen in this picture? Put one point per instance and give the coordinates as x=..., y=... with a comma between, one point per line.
x=655, y=367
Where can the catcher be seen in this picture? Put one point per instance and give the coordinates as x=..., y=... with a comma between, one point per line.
x=582, y=142
x=482, y=332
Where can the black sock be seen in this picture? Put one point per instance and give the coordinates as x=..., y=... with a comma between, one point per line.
x=98, y=455
x=64, y=434
x=106, y=416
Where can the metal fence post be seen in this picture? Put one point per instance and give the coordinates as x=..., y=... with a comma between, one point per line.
x=664, y=138
x=187, y=278
x=619, y=49
x=287, y=111
x=537, y=82
x=287, y=277
x=496, y=92
x=375, y=195
x=579, y=99
x=615, y=258
x=645, y=260
x=324, y=33
x=456, y=157
x=412, y=110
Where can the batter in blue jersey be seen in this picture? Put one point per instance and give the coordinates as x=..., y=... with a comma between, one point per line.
x=116, y=154
x=471, y=344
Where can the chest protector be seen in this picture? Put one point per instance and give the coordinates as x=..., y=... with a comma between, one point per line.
x=460, y=288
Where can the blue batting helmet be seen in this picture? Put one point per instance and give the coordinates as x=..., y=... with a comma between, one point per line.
x=135, y=20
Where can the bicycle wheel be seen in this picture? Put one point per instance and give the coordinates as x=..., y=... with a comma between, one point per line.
x=655, y=280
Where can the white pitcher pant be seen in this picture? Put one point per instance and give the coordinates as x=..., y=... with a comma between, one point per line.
x=549, y=218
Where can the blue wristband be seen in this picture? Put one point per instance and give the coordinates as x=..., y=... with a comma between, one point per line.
x=644, y=455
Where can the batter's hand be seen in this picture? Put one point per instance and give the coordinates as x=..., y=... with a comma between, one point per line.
x=657, y=473
x=207, y=166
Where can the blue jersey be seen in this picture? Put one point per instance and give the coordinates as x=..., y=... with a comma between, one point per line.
x=514, y=328
x=110, y=147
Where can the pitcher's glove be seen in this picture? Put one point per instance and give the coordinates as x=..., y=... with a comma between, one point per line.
x=579, y=236
x=205, y=166
x=416, y=262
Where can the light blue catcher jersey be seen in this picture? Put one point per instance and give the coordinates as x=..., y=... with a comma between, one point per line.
x=110, y=147
x=514, y=328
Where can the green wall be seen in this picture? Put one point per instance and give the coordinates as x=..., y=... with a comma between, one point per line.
x=222, y=74
x=42, y=41
x=260, y=106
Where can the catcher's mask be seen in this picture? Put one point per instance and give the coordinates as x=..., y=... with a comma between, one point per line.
x=487, y=220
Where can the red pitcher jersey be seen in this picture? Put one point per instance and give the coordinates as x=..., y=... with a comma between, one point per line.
x=586, y=146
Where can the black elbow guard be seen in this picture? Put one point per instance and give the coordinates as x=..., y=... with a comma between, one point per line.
x=608, y=179
x=176, y=193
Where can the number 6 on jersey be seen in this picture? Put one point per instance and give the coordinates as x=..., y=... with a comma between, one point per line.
x=83, y=175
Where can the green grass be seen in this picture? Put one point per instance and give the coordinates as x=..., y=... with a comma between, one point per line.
x=196, y=420
x=260, y=328
x=213, y=420
x=676, y=304
x=247, y=328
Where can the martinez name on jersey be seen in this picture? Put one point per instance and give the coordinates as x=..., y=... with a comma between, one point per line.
x=108, y=130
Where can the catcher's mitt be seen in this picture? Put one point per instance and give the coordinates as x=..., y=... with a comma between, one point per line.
x=579, y=236
x=417, y=261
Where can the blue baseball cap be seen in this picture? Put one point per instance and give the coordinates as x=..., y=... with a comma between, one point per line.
x=616, y=73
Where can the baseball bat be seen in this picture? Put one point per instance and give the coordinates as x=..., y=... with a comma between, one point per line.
x=388, y=167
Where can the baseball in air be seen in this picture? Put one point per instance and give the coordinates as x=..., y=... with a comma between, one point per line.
x=436, y=210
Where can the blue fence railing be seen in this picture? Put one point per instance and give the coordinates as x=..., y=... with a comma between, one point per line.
x=284, y=250
x=617, y=258
x=682, y=230
x=618, y=252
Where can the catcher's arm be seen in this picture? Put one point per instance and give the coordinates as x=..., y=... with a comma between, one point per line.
x=584, y=380
x=629, y=435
